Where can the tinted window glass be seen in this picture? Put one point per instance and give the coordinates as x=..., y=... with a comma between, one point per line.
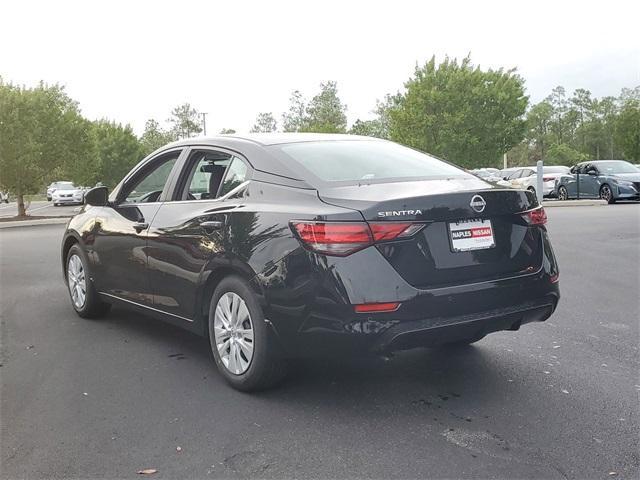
x=362, y=160
x=150, y=186
x=236, y=174
x=207, y=171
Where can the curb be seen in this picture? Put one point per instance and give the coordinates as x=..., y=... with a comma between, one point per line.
x=34, y=223
x=574, y=203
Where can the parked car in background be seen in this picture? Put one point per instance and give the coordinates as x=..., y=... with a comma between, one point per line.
x=527, y=178
x=54, y=186
x=4, y=196
x=287, y=245
x=490, y=175
x=611, y=180
x=67, y=194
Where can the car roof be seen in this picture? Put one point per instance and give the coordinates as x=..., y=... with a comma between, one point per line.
x=266, y=139
x=255, y=147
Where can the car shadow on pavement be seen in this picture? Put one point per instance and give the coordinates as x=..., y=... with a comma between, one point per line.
x=425, y=376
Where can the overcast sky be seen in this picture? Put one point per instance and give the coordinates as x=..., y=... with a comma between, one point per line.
x=130, y=61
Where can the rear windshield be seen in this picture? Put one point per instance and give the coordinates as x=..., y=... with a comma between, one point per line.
x=365, y=161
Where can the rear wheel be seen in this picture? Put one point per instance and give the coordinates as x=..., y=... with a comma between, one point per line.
x=84, y=298
x=563, y=194
x=607, y=194
x=243, y=347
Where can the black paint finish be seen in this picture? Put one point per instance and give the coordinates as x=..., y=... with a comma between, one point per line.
x=166, y=257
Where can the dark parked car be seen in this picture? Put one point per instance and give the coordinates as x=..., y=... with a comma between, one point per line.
x=279, y=246
x=610, y=180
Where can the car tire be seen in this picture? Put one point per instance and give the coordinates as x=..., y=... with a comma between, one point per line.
x=229, y=337
x=532, y=190
x=78, y=276
x=562, y=193
x=607, y=194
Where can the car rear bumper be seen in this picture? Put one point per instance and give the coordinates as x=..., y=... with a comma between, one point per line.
x=437, y=331
x=310, y=301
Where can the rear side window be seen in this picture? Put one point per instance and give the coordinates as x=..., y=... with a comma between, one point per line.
x=364, y=160
x=236, y=174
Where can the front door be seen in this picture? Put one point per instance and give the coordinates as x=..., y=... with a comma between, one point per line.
x=119, y=249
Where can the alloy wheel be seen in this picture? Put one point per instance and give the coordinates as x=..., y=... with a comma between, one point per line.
x=77, y=281
x=562, y=194
x=233, y=333
x=605, y=193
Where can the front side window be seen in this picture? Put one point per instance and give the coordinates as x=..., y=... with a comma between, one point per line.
x=363, y=161
x=148, y=188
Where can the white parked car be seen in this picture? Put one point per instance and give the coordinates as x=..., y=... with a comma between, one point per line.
x=67, y=194
x=53, y=187
x=491, y=175
x=527, y=178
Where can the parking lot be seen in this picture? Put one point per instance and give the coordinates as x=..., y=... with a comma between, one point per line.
x=37, y=209
x=108, y=398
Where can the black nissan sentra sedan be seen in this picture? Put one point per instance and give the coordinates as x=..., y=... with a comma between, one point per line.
x=283, y=245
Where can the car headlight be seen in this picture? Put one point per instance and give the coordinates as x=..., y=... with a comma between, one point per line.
x=626, y=184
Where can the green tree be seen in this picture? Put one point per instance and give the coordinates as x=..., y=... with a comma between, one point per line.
x=460, y=112
x=539, y=120
x=627, y=131
x=117, y=150
x=367, y=128
x=185, y=121
x=41, y=133
x=227, y=131
x=564, y=155
x=154, y=137
x=265, y=123
x=325, y=113
x=295, y=118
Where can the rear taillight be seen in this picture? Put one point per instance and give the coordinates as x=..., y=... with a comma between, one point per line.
x=342, y=238
x=377, y=307
x=547, y=179
x=537, y=216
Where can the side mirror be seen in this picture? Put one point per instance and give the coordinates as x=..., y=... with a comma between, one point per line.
x=97, y=197
x=592, y=172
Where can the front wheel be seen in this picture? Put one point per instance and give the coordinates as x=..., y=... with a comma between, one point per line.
x=244, y=348
x=563, y=194
x=607, y=194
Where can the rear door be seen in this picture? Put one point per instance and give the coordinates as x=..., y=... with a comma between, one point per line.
x=190, y=229
x=591, y=181
x=119, y=248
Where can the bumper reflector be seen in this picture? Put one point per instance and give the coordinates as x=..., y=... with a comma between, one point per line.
x=377, y=307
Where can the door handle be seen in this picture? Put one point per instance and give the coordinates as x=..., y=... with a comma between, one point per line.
x=212, y=224
x=138, y=227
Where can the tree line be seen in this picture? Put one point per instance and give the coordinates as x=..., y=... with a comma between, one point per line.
x=453, y=109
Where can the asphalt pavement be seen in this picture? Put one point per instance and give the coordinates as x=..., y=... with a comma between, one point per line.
x=107, y=398
x=39, y=208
